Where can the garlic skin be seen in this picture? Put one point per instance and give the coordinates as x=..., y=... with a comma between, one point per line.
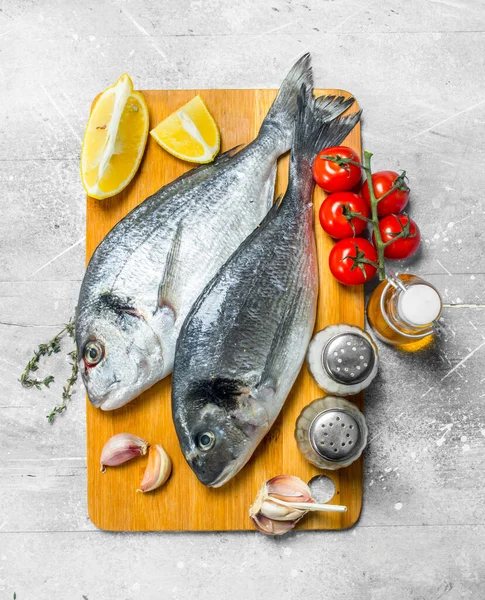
x=120, y=448
x=270, y=527
x=273, y=518
x=281, y=502
x=158, y=469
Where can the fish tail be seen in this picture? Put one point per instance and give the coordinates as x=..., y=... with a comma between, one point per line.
x=280, y=120
x=319, y=125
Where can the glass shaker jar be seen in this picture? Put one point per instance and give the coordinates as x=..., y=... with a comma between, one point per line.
x=343, y=359
x=331, y=433
x=403, y=310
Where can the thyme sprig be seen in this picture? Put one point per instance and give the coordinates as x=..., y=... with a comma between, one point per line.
x=53, y=346
x=66, y=390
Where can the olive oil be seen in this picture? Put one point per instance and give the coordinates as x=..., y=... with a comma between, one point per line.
x=402, y=312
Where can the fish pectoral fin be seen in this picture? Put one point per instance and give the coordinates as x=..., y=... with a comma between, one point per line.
x=251, y=411
x=166, y=291
x=275, y=361
x=163, y=318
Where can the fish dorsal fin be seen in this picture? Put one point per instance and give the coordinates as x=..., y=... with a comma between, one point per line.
x=268, y=187
x=276, y=355
x=186, y=180
x=166, y=291
x=218, y=161
x=225, y=156
x=266, y=258
x=271, y=214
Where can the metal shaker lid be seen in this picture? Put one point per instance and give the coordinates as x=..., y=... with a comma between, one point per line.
x=348, y=358
x=335, y=435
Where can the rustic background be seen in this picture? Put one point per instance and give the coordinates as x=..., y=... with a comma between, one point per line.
x=417, y=69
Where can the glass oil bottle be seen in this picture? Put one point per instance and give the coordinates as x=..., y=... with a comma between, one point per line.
x=403, y=311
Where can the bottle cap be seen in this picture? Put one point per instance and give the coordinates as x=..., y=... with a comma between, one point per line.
x=348, y=358
x=331, y=433
x=419, y=305
x=342, y=359
x=335, y=435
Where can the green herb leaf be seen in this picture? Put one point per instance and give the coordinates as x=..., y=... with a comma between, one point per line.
x=52, y=347
x=67, y=391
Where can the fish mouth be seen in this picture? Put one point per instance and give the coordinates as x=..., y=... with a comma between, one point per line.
x=97, y=403
x=104, y=402
x=227, y=473
x=112, y=404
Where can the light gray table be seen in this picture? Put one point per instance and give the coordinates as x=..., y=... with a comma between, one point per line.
x=417, y=68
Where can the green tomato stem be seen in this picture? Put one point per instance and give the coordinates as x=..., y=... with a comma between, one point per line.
x=375, y=220
x=358, y=215
x=341, y=161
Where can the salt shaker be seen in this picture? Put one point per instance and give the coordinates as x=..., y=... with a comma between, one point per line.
x=331, y=433
x=343, y=359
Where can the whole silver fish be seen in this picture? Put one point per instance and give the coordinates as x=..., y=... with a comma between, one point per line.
x=244, y=341
x=151, y=267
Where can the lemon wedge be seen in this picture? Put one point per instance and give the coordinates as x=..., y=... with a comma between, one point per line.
x=190, y=133
x=114, y=140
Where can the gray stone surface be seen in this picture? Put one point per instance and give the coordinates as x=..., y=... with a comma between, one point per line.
x=417, y=69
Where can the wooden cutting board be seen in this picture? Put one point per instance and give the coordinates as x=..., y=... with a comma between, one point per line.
x=183, y=503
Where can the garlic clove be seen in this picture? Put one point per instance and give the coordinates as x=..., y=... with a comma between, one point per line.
x=121, y=448
x=158, y=469
x=289, y=488
x=271, y=527
x=281, y=502
x=279, y=512
x=269, y=513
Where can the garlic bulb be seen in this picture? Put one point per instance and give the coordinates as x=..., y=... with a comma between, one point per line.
x=281, y=502
x=121, y=448
x=158, y=469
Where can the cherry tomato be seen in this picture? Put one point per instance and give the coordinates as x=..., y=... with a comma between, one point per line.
x=403, y=247
x=334, y=178
x=334, y=214
x=347, y=261
x=382, y=182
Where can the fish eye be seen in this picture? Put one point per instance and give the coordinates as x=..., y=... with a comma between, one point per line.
x=205, y=440
x=93, y=353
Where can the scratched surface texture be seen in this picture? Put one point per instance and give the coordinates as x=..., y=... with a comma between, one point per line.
x=418, y=70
